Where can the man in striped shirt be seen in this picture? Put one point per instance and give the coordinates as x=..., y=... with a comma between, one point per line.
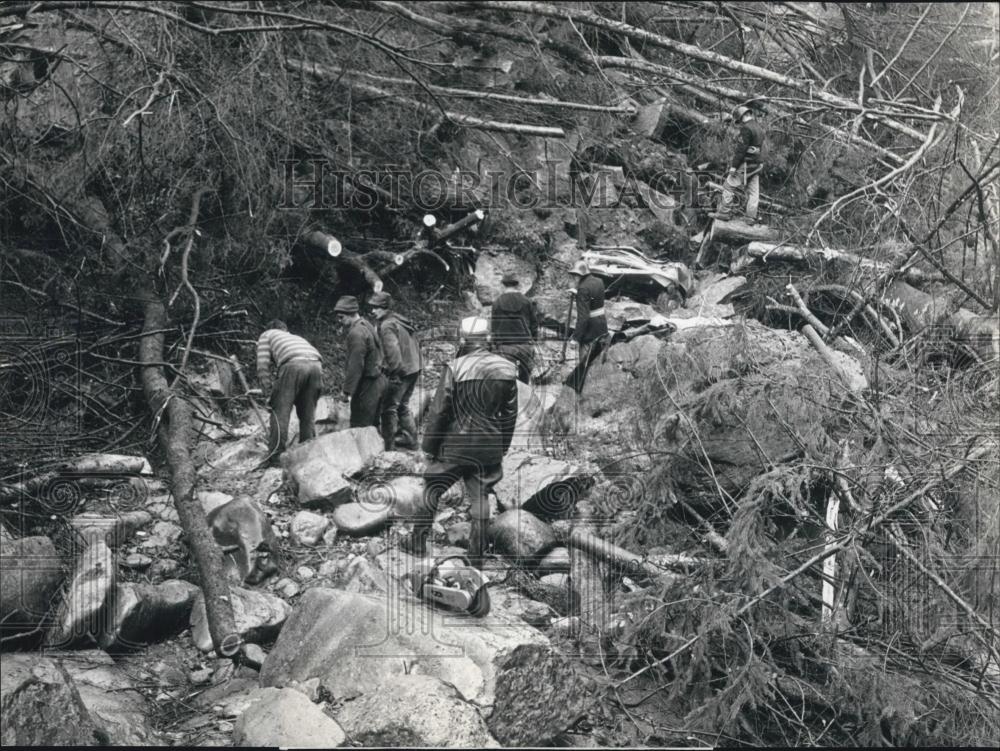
x=300, y=380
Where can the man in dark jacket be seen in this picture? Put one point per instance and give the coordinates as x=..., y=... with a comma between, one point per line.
x=401, y=364
x=300, y=379
x=469, y=430
x=364, y=383
x=745, y=166
x=591, y=323
x=514, y=327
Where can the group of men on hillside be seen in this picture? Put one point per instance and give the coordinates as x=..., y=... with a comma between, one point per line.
x=471, y=420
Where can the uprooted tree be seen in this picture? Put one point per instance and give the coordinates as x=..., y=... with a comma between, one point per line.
x=173, y=170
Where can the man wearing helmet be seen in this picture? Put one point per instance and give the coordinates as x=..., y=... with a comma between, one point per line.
x=745, y=166
x=591, y=323
x=468, y=432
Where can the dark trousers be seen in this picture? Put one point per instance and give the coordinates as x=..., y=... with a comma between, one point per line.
x=366, y=402
x=299, y=384
x=479, y=480
x=396, y=411
x=522, y=354
x=589, y=352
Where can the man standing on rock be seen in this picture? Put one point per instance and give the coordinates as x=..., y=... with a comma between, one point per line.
x=300, y=380
x=591, y=323
x=514, y=327
x=364, y=384
x=401, y=365
x=469, y=430
x=745, y=167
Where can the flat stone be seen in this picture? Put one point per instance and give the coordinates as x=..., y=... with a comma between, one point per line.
x=307, y=528
x=235, y=457
x=363, y=577
x=286, y=718
x=360, y=644
x=548, y=488
x=30, y=578
x=254, y=655
x=316, y=468
x=556, y=561
x=402, y=496
x=287, y=588
x=521, y=535
x=359, y=520
x=242, y=524
x=212, y=499
x=305, y=573
x=137, y=561
x=164, y=510
x=258, y=615
x=415, y=710
x=80, y=612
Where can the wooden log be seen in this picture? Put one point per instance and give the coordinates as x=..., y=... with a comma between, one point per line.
x=735, y=230
x=331, y=246
x=920, y=311
x=466, y=221
x=772, y=251
x=589, y=543
x=825, y=353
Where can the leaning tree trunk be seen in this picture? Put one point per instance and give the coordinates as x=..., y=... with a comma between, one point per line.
x=920, y=311
x=173, y=415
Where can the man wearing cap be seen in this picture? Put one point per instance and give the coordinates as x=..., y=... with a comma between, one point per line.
x=300, y=380
x=745, y=167
x=364, y=383
x=401, y=365
x=469, y=430
x=514, y=327
x=591, y=323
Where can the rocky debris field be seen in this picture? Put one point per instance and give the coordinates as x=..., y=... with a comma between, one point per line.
x=338, y=650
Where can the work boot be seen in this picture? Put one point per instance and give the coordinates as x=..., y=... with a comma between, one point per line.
x=416, y=544
x=406, y=437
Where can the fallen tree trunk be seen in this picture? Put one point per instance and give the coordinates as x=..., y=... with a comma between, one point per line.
x=921, y=311
x=603, y=550
x=173, y=416
x=332, y=247
x=466, y=221
x=736, y=230
x=458, y=118
x=771, y=251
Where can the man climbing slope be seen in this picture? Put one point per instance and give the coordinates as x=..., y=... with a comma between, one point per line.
x=745, y=166
x=591, y=322
x=514, y=327
x=468, y=432
x=364, y=384
x=300, y=380
x=402, y=365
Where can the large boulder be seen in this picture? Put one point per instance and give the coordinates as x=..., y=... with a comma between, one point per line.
x=81, y=611
x=548, y=488
x=286, y=718
x=317, y=468
x=146, y=613
x=521, y=535
x=244, y=530
x=115, y=530
x=112, y=699
x=401, y=496
x=414, y=710
x=40, y=705
x=358, y=645
x=259, y=616
x=331, y=415
x=30, y=576
x=359, y=519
